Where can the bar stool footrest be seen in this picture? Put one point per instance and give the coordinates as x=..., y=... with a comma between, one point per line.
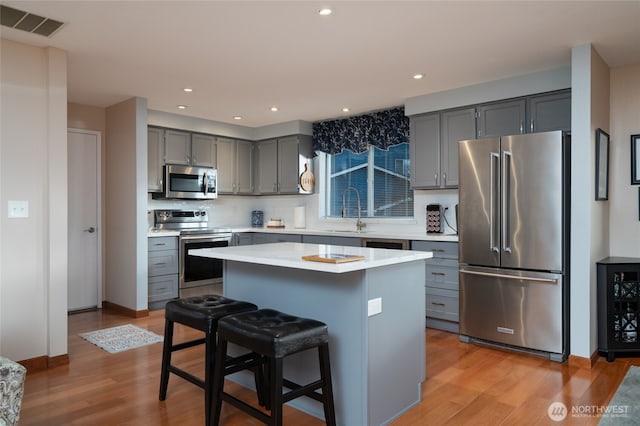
x=299, y=390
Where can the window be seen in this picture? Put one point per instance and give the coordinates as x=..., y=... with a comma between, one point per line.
x=380, y=177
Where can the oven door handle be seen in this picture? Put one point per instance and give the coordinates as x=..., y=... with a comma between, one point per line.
x=204, y=238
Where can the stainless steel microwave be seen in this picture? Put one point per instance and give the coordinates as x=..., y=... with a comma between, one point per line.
x=189, y=183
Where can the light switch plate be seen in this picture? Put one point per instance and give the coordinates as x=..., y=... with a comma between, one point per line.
x=18, y=209
x=374, y=306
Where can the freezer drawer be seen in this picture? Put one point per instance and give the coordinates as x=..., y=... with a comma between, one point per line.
x=512, y=307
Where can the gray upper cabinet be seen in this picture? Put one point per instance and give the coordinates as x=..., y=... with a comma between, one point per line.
x=267, y=164
x=457, y=125
x=279, y=163
x=502, y=118
x=235, y=166
x=203, y=150
x=177, y=147
x=155, y=151
x=424, y=151
x=549, y=112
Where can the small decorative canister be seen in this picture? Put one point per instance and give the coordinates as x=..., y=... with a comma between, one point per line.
x=257, y=218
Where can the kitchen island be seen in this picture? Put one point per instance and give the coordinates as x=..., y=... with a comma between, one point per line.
x=374, y=308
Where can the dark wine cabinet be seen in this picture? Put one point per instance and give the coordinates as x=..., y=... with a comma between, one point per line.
x=618, y=306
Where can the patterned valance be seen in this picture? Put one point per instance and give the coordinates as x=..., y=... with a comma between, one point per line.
x=381, y=129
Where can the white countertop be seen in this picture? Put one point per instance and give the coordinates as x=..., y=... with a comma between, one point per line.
x=325, y=232
x=289, y=255
x=422, y=236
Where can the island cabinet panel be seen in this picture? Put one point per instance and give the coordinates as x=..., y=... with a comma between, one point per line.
x=377, y=359
x=441, y=284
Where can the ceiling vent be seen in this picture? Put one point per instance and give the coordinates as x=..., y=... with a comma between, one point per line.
x=28, y=22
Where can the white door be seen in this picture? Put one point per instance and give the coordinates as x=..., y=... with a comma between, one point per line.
x=84, y=233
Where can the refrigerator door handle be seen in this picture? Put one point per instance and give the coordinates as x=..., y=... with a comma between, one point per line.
x=495, y=158
x=511, y=277
x=506, y=189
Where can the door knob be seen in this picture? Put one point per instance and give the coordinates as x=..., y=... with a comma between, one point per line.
x=91, y=230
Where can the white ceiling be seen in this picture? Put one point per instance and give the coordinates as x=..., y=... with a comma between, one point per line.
x=242, y=57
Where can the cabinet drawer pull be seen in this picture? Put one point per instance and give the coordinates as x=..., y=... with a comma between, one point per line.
x=160, y=263
x=438, y=273
x=160, y=244
x=437, y=303
x=438, y=250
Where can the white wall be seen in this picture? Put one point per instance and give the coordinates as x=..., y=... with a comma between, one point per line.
x=624, y=222
x=125, y=204
x=33, y=250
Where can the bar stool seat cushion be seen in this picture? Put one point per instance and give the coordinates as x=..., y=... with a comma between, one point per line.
x=273, y=333
x=203, y=312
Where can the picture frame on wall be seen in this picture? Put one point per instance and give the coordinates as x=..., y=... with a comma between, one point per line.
x=602, y=165
x=635, y=159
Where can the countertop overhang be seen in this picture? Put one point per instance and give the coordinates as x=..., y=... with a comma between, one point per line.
x=330, y=232
x=289, y=255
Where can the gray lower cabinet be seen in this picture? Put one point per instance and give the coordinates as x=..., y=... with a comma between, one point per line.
x=264, y=238
x=162, y=271
x=441, y=284
x=242, y=239
x=332, y=240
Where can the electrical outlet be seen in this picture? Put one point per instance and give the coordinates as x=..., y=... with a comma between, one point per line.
x=374, y=306
x=18, y=209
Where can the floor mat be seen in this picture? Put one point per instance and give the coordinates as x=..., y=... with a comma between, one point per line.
x=624, y=408
x=121, y=338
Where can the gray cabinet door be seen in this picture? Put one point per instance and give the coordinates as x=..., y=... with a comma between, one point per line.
x=502, y=119
x=155, y=151
x=244, y=167
x=267, y=157
x=288, y=165
x=203, y=150
x=425, y=151
x=549, y=112
x=226, y=165
x=456, y=126
x=177, y=149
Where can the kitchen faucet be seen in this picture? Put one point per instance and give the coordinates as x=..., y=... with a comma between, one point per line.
x=359, y=224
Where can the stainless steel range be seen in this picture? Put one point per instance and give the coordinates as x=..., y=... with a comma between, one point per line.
x=198, y=275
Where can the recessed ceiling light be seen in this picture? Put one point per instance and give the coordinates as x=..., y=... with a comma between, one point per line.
x=274, y=108
x=345, y=109
x=325, y=11
x=187, y=89
x=237, y=117
x=182, y=107
x=418, y=76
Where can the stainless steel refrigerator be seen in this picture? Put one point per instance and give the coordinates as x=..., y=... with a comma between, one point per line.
x=513, y=242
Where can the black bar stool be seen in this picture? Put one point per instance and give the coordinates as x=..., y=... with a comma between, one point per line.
x=201, y=313
x=274, y=335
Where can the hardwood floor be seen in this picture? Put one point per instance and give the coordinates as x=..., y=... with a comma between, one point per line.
x=466, y=384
